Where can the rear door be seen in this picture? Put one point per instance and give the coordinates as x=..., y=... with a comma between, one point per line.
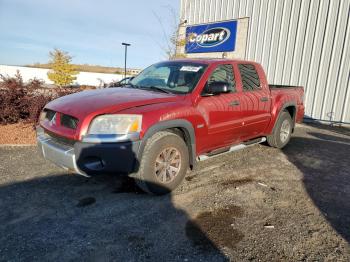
x=255, y=100
x=221, y=112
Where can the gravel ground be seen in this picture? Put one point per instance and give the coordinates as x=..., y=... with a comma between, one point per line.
x=258, y=204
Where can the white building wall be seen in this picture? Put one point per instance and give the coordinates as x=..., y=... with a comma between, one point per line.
x=83, y=78
x=299, y=42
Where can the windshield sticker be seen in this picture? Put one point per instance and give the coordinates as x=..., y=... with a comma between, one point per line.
x=191, y=68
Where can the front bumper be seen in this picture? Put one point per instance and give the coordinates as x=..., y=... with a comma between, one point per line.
x=88, y=159
x=58, y=153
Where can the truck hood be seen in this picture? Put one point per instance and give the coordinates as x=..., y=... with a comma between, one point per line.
x=109, y=100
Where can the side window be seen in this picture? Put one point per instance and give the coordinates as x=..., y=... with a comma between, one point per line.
x=223, y=73
x=250, y=77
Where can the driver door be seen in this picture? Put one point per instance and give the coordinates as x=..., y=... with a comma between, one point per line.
x=222, y=112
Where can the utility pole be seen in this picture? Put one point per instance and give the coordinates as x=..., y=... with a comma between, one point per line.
x=126, y=51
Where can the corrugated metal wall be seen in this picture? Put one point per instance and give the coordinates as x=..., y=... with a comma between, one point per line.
x=299, y=42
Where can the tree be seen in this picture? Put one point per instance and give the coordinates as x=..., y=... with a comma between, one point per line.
x=62, y=72
x=170, y=32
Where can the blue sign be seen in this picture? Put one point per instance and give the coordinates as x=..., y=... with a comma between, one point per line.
x=216, y=37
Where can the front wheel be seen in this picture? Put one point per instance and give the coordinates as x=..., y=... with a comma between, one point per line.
x=164, y=163
x=282, y=131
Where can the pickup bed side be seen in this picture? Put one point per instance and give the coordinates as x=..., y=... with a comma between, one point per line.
x=290, y=99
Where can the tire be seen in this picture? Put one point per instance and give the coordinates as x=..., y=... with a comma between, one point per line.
x=151, y=176
x=282, y=131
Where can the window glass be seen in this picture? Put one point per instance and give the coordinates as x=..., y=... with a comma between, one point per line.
x=250, y=77
x=173, y=76
x=223, y=73
x=156, y=77
x=125, y=81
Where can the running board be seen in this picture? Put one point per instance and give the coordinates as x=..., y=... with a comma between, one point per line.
x=234, y=148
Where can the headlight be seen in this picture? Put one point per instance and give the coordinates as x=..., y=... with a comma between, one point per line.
x=115, y=124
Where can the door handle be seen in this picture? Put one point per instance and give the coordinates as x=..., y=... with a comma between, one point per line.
x=264, y=99
x=234, y=103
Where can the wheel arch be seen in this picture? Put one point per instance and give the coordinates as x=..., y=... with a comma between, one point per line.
x=181, y=127
x=291, y=107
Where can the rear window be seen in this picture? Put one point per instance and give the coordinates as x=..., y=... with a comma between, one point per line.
x=250, y=77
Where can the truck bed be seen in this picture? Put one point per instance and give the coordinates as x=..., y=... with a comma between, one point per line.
x=289, y=94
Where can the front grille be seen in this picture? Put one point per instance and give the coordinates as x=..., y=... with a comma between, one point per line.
x=69, y=121
x=60, y=140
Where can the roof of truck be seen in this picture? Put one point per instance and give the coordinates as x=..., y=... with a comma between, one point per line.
x=211, y=60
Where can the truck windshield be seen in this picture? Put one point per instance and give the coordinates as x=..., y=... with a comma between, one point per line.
x=170, y=77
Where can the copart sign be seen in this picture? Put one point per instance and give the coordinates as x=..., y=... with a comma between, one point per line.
x=214, y=37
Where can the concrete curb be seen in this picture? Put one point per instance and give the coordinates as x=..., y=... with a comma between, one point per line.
x=16, y=145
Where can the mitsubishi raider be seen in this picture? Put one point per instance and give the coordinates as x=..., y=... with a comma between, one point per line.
x=167, y=118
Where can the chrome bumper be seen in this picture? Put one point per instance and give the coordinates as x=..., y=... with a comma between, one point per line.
x=61, y=155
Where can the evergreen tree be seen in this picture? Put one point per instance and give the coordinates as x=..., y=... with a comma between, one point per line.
x=62, y=72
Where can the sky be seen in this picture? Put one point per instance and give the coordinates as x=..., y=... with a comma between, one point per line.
x=91, y=31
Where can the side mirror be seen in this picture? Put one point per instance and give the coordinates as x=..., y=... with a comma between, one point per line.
x=216, y=88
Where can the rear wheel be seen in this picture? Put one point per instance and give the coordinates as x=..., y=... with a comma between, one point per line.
x=282, y=131
x=164, y=163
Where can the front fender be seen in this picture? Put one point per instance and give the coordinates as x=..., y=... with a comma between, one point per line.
x=184, y=125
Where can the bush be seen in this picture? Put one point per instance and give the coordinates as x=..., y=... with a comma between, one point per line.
x=21, y=101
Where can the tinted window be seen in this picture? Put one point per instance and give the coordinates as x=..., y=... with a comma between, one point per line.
x=223, y=73
x=250, y=77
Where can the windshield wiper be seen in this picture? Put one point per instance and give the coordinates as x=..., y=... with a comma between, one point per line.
x=132, y=85
x=158, y=89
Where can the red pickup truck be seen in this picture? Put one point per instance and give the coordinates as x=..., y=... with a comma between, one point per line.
x=167, y=118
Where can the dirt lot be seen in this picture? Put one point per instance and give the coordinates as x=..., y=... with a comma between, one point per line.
x=259, y=204
x=20, y=133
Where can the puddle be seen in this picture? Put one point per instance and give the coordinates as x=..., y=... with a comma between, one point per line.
x=213, y=229
x=136, y=239
x=86, y=201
